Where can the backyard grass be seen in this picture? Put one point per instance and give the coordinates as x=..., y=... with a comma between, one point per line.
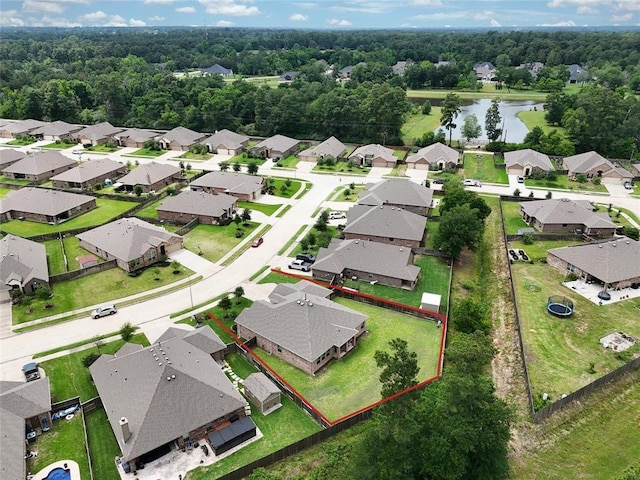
x=512, y=218
x=103, y=446
x=13, y=181
x=214, y=241
x=151, y=210
x=432, y=230
x=342, y=167
x=146, y=152
x=434, y=278
x=535, y=118
x=226, y=318
x=65, y=441
x=55, y=255
x=4, y=191
x=481, y=167
x=289, y=161
x=353, y=193
x=97, y=288
x=266, y=208
x=561, y=351
x=352, y=382
x=106, y=210
x=564, y=183
x=416, y=125
x=69, y=378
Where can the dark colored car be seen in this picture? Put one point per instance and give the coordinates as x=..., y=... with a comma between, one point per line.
x=31, y=372
x=438, y=181
x=306, y=257
x=205, y=450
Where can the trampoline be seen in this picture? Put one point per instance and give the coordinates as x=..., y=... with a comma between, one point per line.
x=560, y=306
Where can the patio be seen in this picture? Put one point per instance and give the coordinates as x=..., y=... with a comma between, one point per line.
x=590, y=292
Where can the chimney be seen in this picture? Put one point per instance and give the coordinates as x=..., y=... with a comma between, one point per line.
x=126, y=433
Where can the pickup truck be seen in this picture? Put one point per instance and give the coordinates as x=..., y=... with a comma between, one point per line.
x=300, y=265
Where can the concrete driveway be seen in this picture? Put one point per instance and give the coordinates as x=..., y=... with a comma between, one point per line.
x=192, y=261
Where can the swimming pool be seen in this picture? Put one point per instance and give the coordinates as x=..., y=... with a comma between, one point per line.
x=59, y=474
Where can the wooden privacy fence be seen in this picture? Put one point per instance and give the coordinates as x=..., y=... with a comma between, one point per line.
x=83, y=272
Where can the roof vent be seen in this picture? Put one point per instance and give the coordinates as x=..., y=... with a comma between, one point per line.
x=173, y=376
x=599, y=246
x=159, y=364
x=168, y=379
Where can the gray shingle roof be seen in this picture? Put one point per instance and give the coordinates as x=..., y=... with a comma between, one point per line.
x=137, y=135
x=563, y=210
x=182, y=136
x=199, y=203
x=372, y=257
x=56, y=128
x=611, y=261
x=10, y=155
x=435, y=153
x=307, y=328
x=22, y=260
x=376, y=150
x=230, y=181
x=584, y=162
x=619, y=172
x=283, y=290
x=98, y=131
x=89, y=170
x=149, y=173
x=204, y=338
x=217, y=69
x=226, y=139
x=159, y=410
x=42, y=201
x=38, y=163
x=128, y=238
x=396, y=191
x=384, y=221
x=260, y=386
x=22, y=126
x=330, y=147
x=528, y=157
x=279, y=143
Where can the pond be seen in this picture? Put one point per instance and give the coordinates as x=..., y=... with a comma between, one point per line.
x=515, y=129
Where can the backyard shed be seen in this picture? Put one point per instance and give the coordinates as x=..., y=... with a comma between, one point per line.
x=232, y=435
x=431, y=302
x=262, y=392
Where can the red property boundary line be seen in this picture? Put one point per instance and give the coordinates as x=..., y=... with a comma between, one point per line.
x=422, y=384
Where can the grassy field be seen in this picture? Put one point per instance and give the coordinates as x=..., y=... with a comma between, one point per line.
x=55, y=258
x=266, y=208
x=416, y=125
x=434, y=278
x=535, y=118
x=214, y=241
x=512, y=218
x=488, y=91
x=97, y=288
x=65, y=441
x=352, y=382
x=274, y=277
x=564, y=183
x=103, y=446
x=560, y=352
x=290, y=191
x=481, y=167
x=353, y=193
x=105, y=211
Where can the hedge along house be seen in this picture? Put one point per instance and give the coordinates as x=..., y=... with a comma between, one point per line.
x=374, y=155
x=44, y=205
x=434, y=157
x=133, y=243
x=89, y=174
x=134, y=137
x=277, y=146
x=164, y=397
x=38, y=167
x=206, y=207
x=151, y=176
x=398, y=192
x=384, y=224
x=226, y=142
x=331, y=147
x=23, y=266
x=526, y=162
x=305, y=329
x=180, y=138
x=243, y=187
x=96, y=134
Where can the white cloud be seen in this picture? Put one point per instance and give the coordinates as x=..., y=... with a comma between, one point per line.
x=339, y=23
x=495, y=23
x=36, y=6
x=47, y=21
x=633, y=5
x=94, y=16
x=439, y=16
x=622, y=18
x=186, y=10
x=365, y=6
x=159, y=2
x=156, y=18
x=486, y=15
x=566, y=23
x=408, y=25
x=116, y=21
x=223, y=23
x=229, y=7
x=577, y=3
x=136, y=23
x=425, y=3
x=298, y=17
x=585, y=10
x=11, y=18
x=306, y=5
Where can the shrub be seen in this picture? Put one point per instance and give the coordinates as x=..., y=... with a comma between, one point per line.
x=88, y=360
x=127, y=330
x=571, y=277
x=527, y=239
x=597, y=181
x=469, y=316
x=552, y=176
x=581, y=178
x=516, y=192
x=239, y=233
x=548, y=195
x=426, y=108
x=631, y=232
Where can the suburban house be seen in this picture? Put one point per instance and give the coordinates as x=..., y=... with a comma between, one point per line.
x=262, y=392
x=163, y=397
x=217, y=69
x=19, y=128
x=384, y=224
x=96, y=134
x=374, y=155
x=434, y=157
x=577, y=74
x=594, y=165
x=134, y=137
x=331, y=147
x=567, y=216
x=485, y=71
x=400, y=66
x=151, y=176
x=288, y=77
x=533, y=67
x=57, y=130
x=527, y=161
x=398, y=192
x=368, y=261
x=90, y=173
x=24, y=407
x=38, y=167
x=635, y=168
x=304, y=329
x=226, y=142
x=203, y=338
x=345, y=73
x=608, y=263
x=277, y=146
x=206, y=207
x=44, y=205
x=23, y=265
x=133, y=243
x=244, y=187
x=180, y=138
x=9, y=156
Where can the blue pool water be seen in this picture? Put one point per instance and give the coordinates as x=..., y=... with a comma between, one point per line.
x=59, y=474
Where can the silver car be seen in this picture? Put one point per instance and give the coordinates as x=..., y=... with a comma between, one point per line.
x=103, y=311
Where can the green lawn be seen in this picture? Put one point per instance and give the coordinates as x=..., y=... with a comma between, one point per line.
x=488, y=91
x=535, y=118
x=145, y=152
x=564, y=183
x=244, y=159
x=291, y=190
x=21, y=142
x=266, y=208
x=226, y=318
x=55, y=258
x=416, y=125
x=398, y=171
x=196, y=157
x=434, y=278
x=274, y=277
x=352, y=382
x=214, y=241
x=151, y=210
x=353, y=193
x=12, y=181
x=4, y=191
x=432, y=230
x=106, y=210
x=59, y=145
x=332, y=231
x=560, y=351
x=512, y=217
x=103, y=446
x=65, y=441
x=102, y=148
x=481, y=167
x=289, y=161
x=341, y=167
x=92, y=289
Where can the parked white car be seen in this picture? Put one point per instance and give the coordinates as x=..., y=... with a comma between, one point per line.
x=336, y=215
x=472, y=183
x=103, y=311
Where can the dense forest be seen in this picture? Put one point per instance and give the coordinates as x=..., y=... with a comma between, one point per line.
x=127, y=77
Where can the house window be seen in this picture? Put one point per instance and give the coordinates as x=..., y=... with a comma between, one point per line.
x=391, y=239
x=279, y=348
x=564, y=224
x=370, y=275
x=570, y=268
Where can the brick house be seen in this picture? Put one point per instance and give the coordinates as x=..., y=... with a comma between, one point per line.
x=208, y=208
x=244, y=187
x=331, y=147
x=9, y=156
x=151, y=176
x=374, y=155
x=90, y=173
x=180, y=138
x=134, y=137
x=566, y=216
x=226, y=142
x=96, y=134
x=38, y=167
x=384, y=224
x=434, y=157
x=593, y=165
x=23, y=265
x=398, y=192
x=276, y=146
x=526, y=162
x=44, y=205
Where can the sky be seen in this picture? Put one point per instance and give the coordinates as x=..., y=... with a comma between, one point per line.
x=320, y=14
